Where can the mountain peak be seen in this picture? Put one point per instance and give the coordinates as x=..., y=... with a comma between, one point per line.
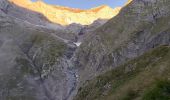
x=66, y=15
x=99, y=8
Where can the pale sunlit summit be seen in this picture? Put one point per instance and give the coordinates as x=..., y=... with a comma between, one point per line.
x=65, y=15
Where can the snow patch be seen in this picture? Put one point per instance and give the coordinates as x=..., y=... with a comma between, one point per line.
x=77, y=43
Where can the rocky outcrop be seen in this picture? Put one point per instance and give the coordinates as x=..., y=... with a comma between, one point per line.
x=3, y=5
x=82, y=31
x=140, y=26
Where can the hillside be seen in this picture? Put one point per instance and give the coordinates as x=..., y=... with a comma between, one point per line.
x=34, y=61
x=139, y=27
x=143, y=78
x=128, y=57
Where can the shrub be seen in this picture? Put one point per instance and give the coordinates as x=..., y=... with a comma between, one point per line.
x=161, y=91
x=131, y=94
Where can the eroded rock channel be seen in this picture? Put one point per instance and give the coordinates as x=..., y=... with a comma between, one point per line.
x=61, y=84
x=71, y=72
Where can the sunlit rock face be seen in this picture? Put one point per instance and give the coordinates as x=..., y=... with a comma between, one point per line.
x=65, y=15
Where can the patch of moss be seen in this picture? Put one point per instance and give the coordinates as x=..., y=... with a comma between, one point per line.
x=24, y=66
x=38, y=38
x=131, y=95
x=46, y=50
x=53, y=51
x=20, y=98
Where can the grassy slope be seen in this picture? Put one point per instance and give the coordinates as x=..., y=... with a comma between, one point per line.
x=144, y=78
x=136, y=24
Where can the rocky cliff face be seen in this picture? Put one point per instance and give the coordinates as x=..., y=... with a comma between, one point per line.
x=3, y=4
x=65, y=15
x=140, y=26
x=82, y=31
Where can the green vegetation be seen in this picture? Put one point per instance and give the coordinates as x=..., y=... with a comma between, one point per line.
x=131, y=80
x=51, y=50
x=43, y=50
x=24, y=65
x=131, y=94
x=160, y=91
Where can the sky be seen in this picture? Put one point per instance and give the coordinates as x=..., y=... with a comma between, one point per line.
x=86, y=4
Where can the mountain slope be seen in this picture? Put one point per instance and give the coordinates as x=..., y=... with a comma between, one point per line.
x=65, y=15
x=139, y=27
x=71, y=32
x=34, y=61
x=42, y=63
x=143, y=78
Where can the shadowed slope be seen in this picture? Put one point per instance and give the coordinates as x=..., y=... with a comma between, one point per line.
x=139, y=27
x=143, y=78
